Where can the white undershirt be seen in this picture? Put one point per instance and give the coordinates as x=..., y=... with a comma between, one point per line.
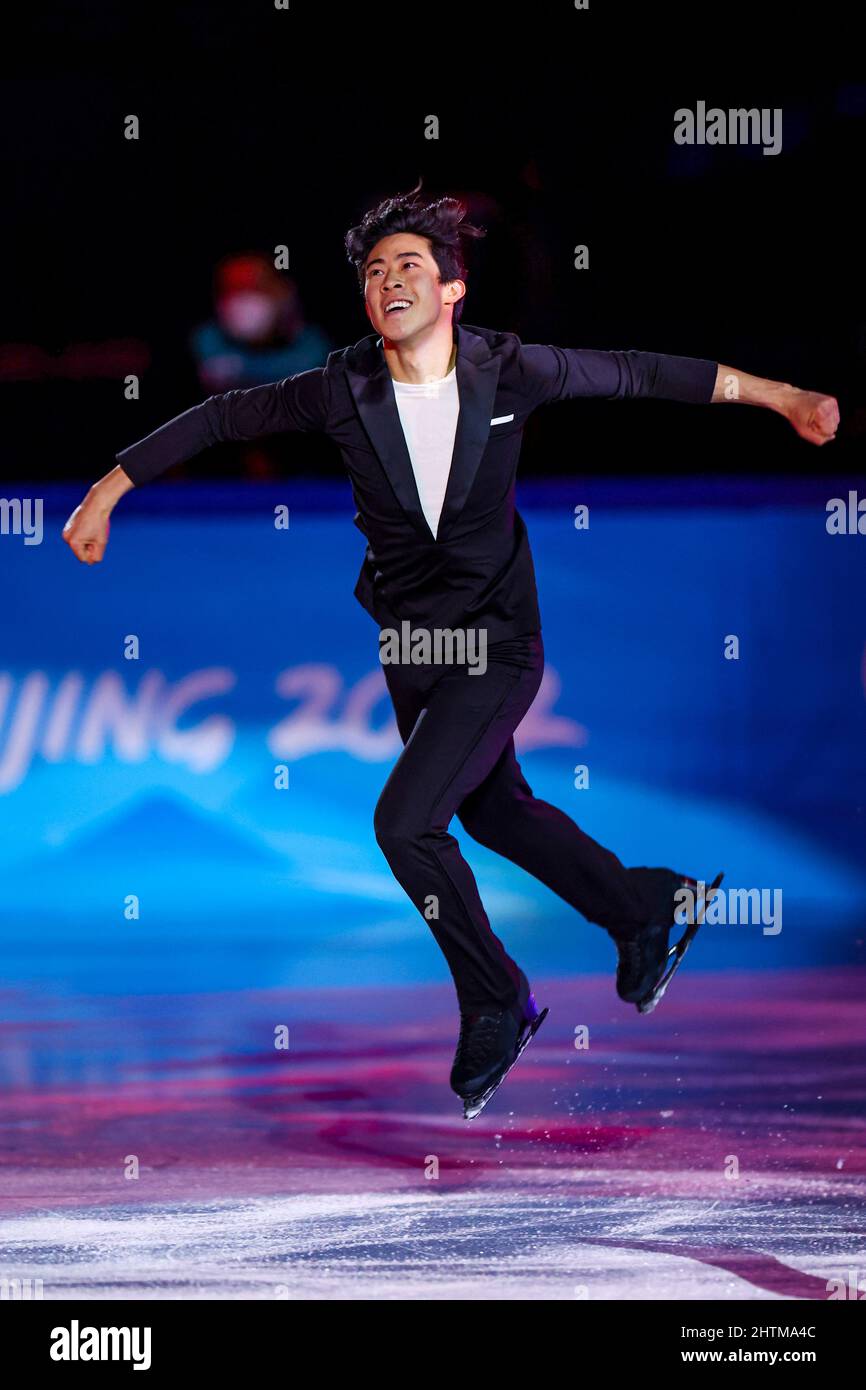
x=428, y=414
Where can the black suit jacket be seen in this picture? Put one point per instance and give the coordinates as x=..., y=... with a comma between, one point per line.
x=477, y=572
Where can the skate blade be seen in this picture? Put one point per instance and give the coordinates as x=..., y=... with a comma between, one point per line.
x=473, y=1106
x=676, y=953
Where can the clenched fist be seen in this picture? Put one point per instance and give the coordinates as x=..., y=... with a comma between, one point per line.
x=814, y=417
x=86, y=531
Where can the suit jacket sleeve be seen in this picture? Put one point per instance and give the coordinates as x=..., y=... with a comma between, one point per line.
x=558, y=374
x=297, y=403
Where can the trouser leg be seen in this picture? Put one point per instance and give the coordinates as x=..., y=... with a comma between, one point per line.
x=502, y=814
x=455, y=726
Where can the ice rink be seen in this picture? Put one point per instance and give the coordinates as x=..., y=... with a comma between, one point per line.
x=714, y=1149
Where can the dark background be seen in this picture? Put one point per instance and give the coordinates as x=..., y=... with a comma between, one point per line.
x=260, y=128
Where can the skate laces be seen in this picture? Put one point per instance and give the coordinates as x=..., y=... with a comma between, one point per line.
x=477, y=1035
x=629, y=951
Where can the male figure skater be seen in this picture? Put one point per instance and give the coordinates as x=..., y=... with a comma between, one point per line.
x=429, y=416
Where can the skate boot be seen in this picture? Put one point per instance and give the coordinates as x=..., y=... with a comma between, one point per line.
x=490, y=1042
x=646, y=963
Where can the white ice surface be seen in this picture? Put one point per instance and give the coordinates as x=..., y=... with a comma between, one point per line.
x=410, y=1246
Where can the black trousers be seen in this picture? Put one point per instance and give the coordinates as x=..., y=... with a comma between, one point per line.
x=458, y=759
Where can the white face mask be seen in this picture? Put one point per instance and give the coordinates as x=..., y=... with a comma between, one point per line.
x=248, y=314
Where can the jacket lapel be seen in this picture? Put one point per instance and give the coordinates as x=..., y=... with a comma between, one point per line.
x=477, y=378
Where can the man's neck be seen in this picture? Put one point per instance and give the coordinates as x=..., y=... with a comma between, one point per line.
x=429, y=360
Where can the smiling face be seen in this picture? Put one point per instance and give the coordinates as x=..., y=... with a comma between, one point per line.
x=401, y=271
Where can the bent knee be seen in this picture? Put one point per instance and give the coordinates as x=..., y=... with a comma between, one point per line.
x=480, y=827
x=394, y=829
x=405, y=827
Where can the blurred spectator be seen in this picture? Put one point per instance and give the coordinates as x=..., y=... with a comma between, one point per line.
x=258, y=333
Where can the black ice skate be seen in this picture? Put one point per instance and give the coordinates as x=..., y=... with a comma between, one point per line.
x=488, y=1047
x=647, y=964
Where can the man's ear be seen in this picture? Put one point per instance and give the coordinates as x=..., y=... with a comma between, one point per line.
x=459, y=288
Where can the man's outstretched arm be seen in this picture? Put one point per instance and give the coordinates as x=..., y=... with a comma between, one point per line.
x=299, y=402
x=557, y=374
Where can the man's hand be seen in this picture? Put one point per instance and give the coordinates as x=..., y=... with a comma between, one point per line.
x=814, y=417
x=86, y=531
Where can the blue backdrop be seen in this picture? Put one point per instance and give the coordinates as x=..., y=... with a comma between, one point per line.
x=154, y=777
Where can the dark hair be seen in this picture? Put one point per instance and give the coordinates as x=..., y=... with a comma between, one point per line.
x=441, y=222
